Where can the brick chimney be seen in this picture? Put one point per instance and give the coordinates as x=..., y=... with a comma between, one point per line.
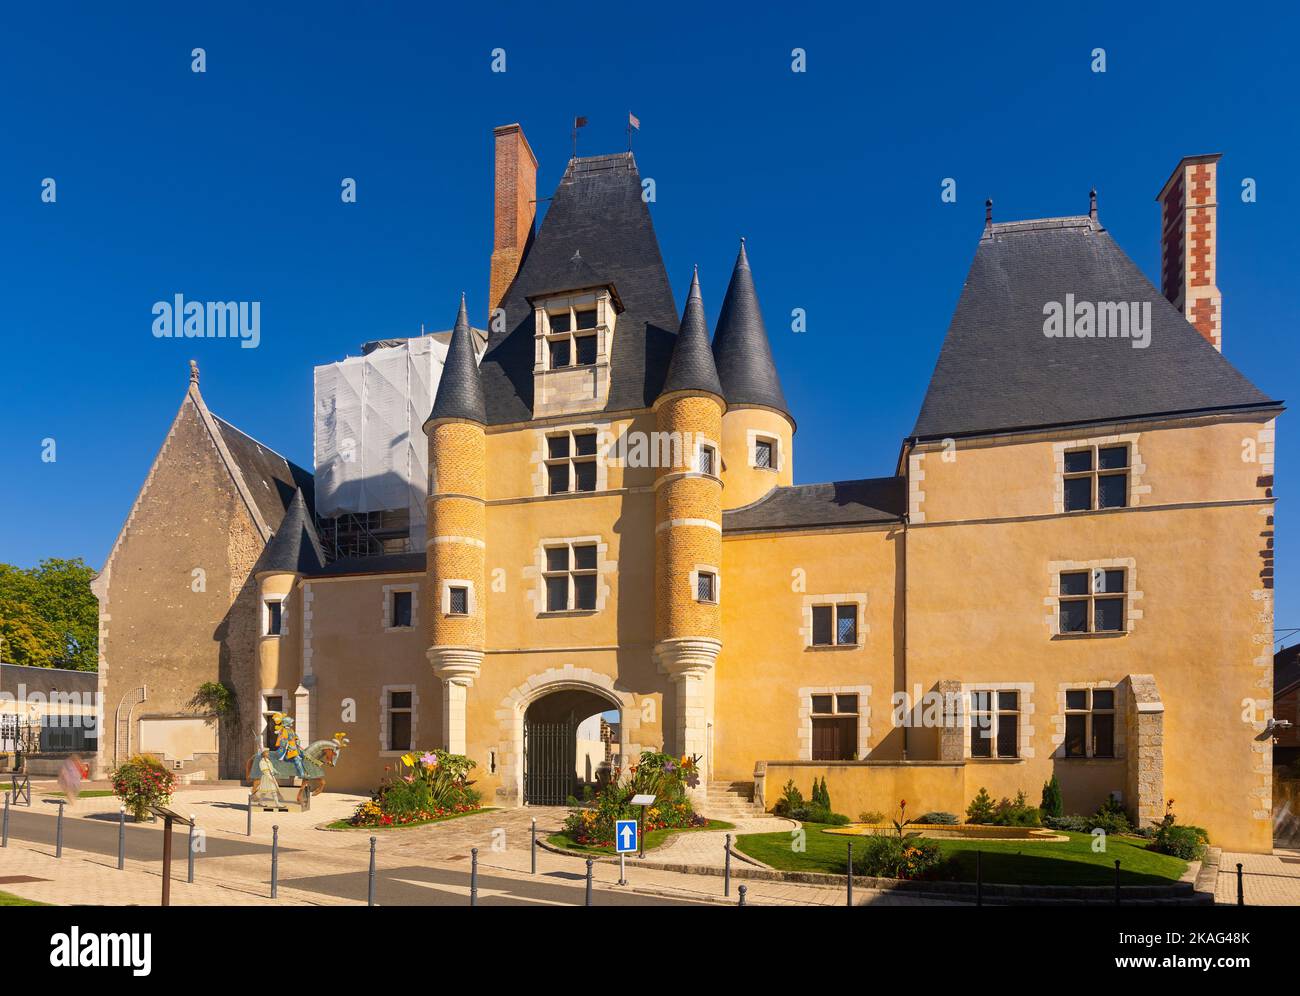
x=514, y=208
x=1189, y=229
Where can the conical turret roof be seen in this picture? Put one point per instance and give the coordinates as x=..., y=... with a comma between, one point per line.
x=692, y=367
x=295, y=548
x=740, y=346
x=460, y=391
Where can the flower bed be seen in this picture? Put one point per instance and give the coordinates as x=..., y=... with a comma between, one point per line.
x=422, y=788
x=661, y=775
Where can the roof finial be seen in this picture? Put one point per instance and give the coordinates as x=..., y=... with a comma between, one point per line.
x=194, y=373
x=988, y=213
x=1092, y=204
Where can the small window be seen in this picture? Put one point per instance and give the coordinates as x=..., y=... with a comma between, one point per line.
x=994, y=724
x=571, y=577
x=706, y=587
x=560, y=321
x=835, y=625
x=1092, y=601
x=399, y=721
x=273, y=618
x=560, y=353
x=571, y=463
x=585, y=319
x=400, y=609
x=822, y=616
x=585, y=348
x=846, y=625
x=1090, y=722
x=708, y=456
x=458, y=600
x=271, y=705
x=764, y=458
x=1096, y=477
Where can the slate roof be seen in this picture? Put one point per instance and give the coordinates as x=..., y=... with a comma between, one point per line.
x=597, y=213
x=740, y=347
x=998, y=371
x=295, y=547
x=460, y=390
x=841, y=503
x=387, y=563
x=271, y=478
x=692, y=368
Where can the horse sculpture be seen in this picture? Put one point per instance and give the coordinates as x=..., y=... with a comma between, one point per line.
x=289, y=760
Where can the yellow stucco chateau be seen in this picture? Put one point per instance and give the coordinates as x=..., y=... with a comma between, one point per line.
x=1068, y=571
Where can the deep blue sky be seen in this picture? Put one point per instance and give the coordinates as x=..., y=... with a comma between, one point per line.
x=225, y=186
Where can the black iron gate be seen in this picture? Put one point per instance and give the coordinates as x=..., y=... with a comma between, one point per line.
x=550, y=760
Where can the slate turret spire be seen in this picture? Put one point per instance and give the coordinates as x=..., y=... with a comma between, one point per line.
x=741, y=349
x=460, y=391
x=692, y=367
x=294, y=549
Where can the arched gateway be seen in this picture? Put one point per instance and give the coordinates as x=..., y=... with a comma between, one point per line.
x=539, y=726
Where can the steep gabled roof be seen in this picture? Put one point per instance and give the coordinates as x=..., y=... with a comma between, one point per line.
x=460, y=391
x=999, y=371
x=692, y=368
x=873, y=500
x=271, y=480
x=740, y=346
x=597, y=215
x=295, y=547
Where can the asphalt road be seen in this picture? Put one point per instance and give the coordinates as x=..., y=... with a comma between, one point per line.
x=411, y=885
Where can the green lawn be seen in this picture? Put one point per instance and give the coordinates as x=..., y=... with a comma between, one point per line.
x=653, y=839
x=7, y=900
x=92, y=794
x=345, y=825
x=1010, y=862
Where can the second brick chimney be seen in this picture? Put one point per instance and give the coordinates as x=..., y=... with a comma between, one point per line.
x=515, y=208
x=1188, y=244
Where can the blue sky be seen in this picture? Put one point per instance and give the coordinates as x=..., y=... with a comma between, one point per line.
x=225, y=185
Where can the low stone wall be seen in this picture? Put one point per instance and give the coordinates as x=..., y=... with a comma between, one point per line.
x=870, y=786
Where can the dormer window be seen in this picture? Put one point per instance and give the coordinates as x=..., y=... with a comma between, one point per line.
x=574, y=333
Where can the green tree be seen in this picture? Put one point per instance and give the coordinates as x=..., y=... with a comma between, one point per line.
x=49, y=617
x=1052, y=804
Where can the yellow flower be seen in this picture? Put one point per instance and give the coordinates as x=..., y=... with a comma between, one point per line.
x=409, y=760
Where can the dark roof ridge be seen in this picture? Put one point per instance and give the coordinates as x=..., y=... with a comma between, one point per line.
x=294, y=548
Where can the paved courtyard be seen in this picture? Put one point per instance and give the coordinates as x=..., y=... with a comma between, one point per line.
x=428, y=865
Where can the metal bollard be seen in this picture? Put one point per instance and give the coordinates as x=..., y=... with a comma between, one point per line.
x=1117, y=881
x=533, y=846
x=370, y=889
x=4, y=839
x=1241, y=891
x=275, y=860
x=589, y=864
x=473, y=876
x=58, y=837
x=726, y=868
x=121, y=838
x=979, y=880
x=850, y=875
x=189, y=871
x=249, y=831
x=742, y=896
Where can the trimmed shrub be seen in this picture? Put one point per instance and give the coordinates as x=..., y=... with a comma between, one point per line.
x=1015, y=813
x=791, y=799
x=981, y=809
x=1051, y=804
x=142, y=781
x=872, y=816
x=1186, y=842
x=939, y=818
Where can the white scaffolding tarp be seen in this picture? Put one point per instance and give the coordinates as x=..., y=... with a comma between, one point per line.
x=370, y=447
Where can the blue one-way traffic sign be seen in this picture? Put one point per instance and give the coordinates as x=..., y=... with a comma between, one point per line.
x=625, y=836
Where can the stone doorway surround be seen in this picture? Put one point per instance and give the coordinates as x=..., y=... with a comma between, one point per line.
x=510, y=717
